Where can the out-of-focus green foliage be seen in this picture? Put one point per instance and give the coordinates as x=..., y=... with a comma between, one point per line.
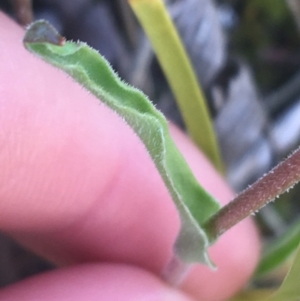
x=267, y=35
x=279, y=250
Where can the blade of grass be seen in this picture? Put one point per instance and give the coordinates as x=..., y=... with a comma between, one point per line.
x=290, y=288
x=176, y=65
x=253, y=295
x=278, y=251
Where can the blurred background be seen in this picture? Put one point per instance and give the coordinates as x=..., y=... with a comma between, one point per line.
x=246, y=56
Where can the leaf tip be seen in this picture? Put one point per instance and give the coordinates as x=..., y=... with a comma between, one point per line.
x=43, y=32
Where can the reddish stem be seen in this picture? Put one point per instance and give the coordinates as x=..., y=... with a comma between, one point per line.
x=280, y=179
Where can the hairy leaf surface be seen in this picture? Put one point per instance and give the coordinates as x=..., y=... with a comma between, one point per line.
x=92, y=71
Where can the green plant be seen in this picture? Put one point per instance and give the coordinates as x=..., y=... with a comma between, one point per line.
x=199, y=228
x=176, y=65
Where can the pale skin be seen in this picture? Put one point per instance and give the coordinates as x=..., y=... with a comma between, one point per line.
x=78, y=187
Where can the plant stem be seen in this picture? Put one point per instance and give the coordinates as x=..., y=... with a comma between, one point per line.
x=175, y=271
x=280, y=179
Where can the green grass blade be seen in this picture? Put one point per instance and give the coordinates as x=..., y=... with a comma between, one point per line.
x=92, y=71
x=278, y=251
x=174, y=60
x=253, y=295
x=290, y=288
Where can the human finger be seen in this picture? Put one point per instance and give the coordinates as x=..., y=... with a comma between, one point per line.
x=109, y=282
x=78, y=186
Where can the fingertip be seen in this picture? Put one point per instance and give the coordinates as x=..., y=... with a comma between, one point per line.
x=97, y=235
x=76, y=182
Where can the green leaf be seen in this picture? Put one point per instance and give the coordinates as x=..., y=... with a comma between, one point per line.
x=169, y=49
x=253, y=295
x=92, y=71
x=278, y=251
x=290, y=288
